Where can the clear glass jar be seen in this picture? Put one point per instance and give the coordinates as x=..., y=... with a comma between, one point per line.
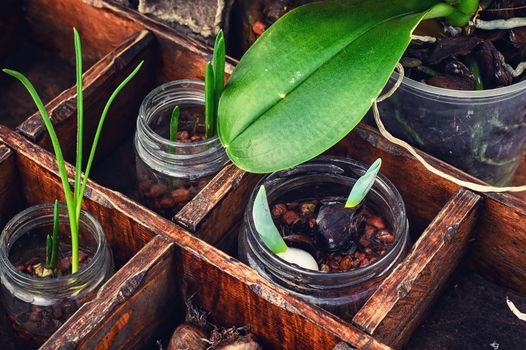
x=342, y=293
x=170, y=173
x=480, y=132
x=37, y=306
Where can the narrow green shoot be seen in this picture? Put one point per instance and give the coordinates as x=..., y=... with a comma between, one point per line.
x=210, y=112
x=73, y=199
x=52, y=242
x=218, y=63
x=363, y=185
x=475, y=71
x=174, y=123
x=457, y=13
x=214, y=85
x=268, y=232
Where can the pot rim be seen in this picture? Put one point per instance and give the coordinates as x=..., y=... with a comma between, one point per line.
x=475, y=94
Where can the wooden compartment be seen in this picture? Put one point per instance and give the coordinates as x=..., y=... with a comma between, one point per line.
x=442, y=216
x=36, y=38
x=146, y=294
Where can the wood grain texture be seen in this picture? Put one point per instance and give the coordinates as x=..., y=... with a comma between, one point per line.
x=128, y=308
x=499, y=251
x=40, y=183
x=247, y=297
x=10, y=201
x=221, y=204
x=398, y=306
x=98, y=84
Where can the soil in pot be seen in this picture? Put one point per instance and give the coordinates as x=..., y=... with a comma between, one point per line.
x=168, y=195
x=472, y=314
x=340, y=239
x=28, y=255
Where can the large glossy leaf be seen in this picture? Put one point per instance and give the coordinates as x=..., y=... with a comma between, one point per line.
x=310, y=78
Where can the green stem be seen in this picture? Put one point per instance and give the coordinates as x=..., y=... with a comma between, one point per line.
x=469, y=7
x=174, y=123
x=209, y=101
x=56, y=146
x=54, y=240
x=97, y=135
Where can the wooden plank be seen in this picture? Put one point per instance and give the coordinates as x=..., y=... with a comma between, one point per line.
x=98, y=84
x=129, y=308
x=499, y=251
x=39, y=179
x=10, y=201
x=214, y=210
x=398, y=306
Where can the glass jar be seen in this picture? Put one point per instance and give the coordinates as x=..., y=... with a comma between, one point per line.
x=171, y=173
x=37, y=306
x=480, y=132
x=341, y=293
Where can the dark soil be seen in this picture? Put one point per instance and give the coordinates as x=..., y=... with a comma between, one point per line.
x=472, y=314
x=340, y=239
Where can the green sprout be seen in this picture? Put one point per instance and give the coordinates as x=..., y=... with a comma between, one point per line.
x=214, y=84
x=475, y=71
x=52, y=242
x=174, y=123
x=73, y=198
x=457, y=12
x=363, y=185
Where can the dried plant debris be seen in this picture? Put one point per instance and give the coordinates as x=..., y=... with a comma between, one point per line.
x=472, y=58
x=195, y=334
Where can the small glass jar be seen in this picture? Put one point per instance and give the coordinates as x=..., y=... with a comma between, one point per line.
x=171, y=173
x=37, y=306
x=341, y=293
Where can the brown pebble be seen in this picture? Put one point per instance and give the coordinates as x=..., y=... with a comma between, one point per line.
x=364, y=263
x=181, y=195
x=373, y=259
x=376, y=221
x=335, y=266
x=196, y=138
x=359, y=255
x=157, y=190
x=346, y=263
x=312, y=223
x=20, y=267
x=385, y=236
x=325, y=268
x=307, y=208
x=368, y=251
x=363, y=241
x=182, y=135
x=369, y=231
x=278, y=210
x=258, y=27
x=290, y=217
x=382, y=252
x=144, y=186
x=167, y=202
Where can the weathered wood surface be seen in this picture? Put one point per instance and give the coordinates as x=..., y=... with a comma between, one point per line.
x=98, y=84
x=499, y=251
x=219, y=206
x=398, y=306
x=38, y=176
x=246, y=296
x=10, y=201
x=129, y=308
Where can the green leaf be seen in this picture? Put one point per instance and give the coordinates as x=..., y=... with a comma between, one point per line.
x=363, y=185
x=219, y=68
x=210, y=121
x=49, y=249
x=54, y=249
x=268, y=232
x=310, y=78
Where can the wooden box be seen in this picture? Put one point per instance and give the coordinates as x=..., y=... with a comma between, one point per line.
x=163, y=263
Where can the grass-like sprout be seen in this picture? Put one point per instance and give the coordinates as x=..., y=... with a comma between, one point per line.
x=174, y=123
x=363, y=185
x=52, y=242
x=214, y=84
x=73, y=198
